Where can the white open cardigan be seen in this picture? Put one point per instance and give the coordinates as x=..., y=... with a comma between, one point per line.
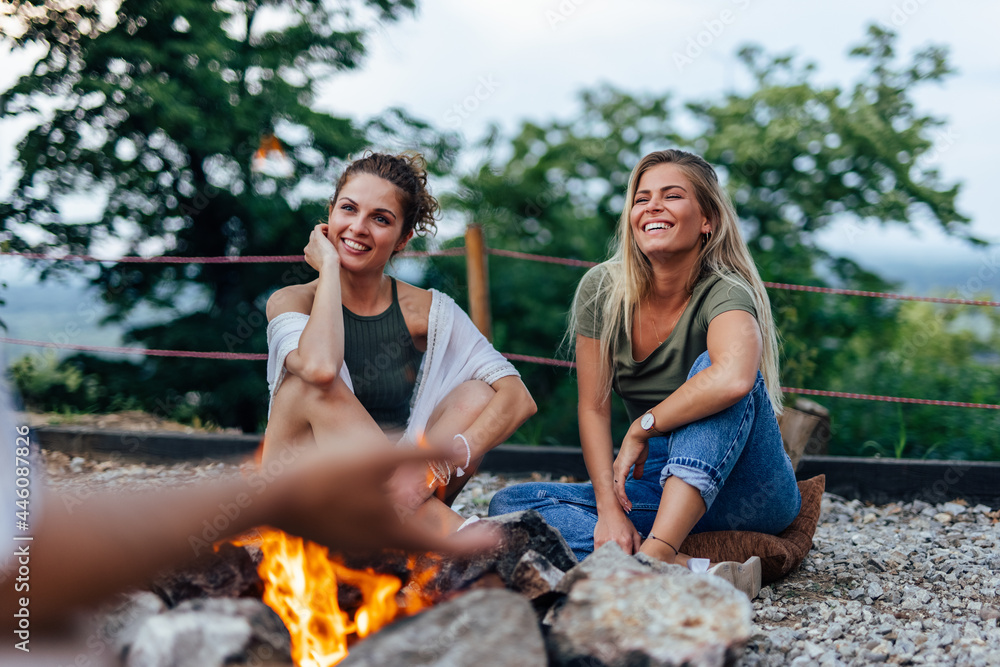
x=456, y=352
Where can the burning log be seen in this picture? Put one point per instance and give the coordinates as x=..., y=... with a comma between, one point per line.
x=305, y=585
x=535, y=576
x=524, y=531
x=230, y=572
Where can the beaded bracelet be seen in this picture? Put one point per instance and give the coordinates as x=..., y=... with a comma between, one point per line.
x=460, y=470
x=442, y=477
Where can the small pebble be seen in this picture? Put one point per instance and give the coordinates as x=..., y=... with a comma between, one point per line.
x=989, y=613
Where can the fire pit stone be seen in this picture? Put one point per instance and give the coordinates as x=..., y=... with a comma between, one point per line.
x=120, y=620
x=211, y=632
x=483, y=627
x=621, y=615
x=608, y=558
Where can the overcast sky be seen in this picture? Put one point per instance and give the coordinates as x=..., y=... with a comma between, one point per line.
x=462, y=65
x=522, y=59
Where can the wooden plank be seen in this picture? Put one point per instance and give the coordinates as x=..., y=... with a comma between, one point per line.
x=881, y=481
x=141, y=446
x=805, y=429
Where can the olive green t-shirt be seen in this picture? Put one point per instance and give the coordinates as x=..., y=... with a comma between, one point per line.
x=643, y=384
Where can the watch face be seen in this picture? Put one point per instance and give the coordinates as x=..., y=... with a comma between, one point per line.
x=647, y=421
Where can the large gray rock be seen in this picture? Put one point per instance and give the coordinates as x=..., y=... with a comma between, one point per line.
x=626, y=618
x=483, y=627
x=209, y=633
x=121, y=620
x=609, y=558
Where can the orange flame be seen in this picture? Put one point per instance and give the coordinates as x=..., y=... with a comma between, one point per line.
x=300, y=585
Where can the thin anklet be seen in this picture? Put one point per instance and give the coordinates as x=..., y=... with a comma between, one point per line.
x=654, y=537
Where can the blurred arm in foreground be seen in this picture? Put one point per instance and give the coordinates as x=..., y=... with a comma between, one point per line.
x=81, y=555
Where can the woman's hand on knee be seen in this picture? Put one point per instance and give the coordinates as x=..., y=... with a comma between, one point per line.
x=633, y=452
x=615, y=527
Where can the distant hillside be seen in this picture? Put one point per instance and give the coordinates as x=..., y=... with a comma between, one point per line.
x=69, y=312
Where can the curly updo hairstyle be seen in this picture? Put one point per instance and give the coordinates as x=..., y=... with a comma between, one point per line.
x=408, y=172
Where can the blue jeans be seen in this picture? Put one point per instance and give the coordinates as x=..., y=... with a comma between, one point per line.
x=734, y=458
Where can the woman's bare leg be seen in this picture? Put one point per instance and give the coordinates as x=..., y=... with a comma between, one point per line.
x=332, y=416
x=681, y=506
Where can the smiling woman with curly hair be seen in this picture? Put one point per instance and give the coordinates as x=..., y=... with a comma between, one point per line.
x=357, y=356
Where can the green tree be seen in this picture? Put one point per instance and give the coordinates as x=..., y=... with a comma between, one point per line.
x=938, y=352
x=796, y=157
x=158, y=109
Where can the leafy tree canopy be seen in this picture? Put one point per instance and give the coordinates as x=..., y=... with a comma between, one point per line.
x=159, y=109
x=796, y=156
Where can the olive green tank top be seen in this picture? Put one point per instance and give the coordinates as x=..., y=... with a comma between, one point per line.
x=383, y=362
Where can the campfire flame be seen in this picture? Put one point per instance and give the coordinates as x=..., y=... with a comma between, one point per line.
x=300, y=585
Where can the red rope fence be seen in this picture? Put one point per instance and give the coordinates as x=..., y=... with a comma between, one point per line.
x=263, y=259
x=880, y=295
x=186, y=354
x=235, y=259
x=235, y=356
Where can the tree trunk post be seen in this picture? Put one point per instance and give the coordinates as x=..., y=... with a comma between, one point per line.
x=479, y=280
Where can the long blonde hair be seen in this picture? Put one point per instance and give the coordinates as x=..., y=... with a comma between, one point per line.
x=628, y=277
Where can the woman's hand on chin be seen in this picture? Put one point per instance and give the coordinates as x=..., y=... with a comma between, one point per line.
x=320, y=251
x=615, y=527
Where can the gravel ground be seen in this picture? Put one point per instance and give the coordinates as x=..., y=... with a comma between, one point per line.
x=908, y=583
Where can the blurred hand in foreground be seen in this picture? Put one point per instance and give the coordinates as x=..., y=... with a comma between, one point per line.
x=345, y=500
